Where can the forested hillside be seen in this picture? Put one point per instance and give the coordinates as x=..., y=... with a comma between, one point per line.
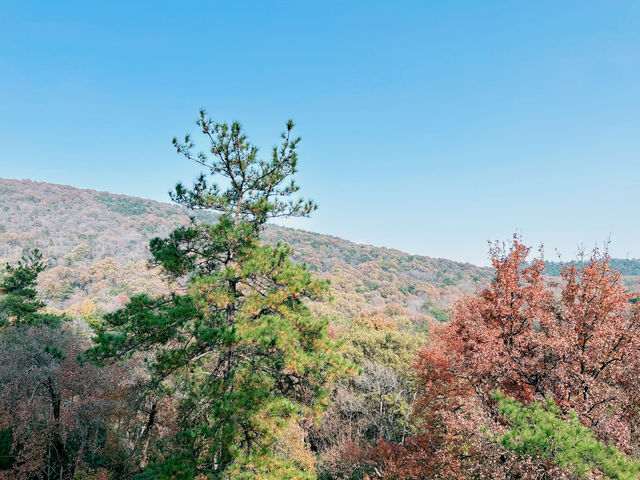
x=141, y=344
x=98, y=245
x=197, y=336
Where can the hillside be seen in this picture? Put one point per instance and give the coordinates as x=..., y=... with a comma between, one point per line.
x=96, y=243
x=384, y=302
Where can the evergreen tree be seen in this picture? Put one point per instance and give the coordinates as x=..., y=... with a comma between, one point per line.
x=237, y=344
x=19, y=303
x=539, y=432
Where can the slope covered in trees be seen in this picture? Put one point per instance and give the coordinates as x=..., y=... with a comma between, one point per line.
x=97, y=244
x=146, y=344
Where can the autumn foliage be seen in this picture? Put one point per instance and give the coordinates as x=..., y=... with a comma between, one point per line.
x=238, y=368
x=575, y=343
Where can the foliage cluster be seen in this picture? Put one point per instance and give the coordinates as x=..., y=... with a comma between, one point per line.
x=567, y=363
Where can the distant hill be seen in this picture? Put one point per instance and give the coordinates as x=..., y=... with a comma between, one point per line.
x=629, y=267
x=97, y=243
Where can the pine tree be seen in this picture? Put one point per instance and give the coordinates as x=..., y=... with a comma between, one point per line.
x=539, y=432
x=236, y=345
x=19, y=303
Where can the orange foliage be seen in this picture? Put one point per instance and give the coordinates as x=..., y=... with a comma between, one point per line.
x=582, y=350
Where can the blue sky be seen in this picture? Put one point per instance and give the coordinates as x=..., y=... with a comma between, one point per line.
x=430, y=127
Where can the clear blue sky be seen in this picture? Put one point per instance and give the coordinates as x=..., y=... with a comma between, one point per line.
x=431, y=127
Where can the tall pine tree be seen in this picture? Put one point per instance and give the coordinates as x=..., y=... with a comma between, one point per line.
x=236, y=346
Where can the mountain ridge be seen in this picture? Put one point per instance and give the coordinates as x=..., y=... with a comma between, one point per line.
x=97, y=243
x=92, y=191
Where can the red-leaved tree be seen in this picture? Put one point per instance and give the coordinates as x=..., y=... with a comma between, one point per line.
x=576, y=342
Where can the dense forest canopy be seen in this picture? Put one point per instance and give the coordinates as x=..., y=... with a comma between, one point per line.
x=197, y=341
